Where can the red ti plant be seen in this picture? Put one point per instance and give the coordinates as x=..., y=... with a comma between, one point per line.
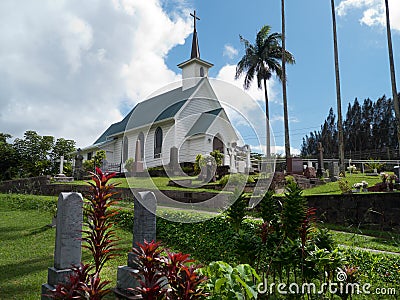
x=167, y=277
x=148, y=259
x=100, y=238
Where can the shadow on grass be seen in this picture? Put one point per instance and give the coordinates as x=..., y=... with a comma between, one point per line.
x=39, y=230
x=9, y=271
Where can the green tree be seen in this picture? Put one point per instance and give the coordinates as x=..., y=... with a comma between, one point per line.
x=62, y=147
x=34, y=153
x=262, y=60
x=8, y=158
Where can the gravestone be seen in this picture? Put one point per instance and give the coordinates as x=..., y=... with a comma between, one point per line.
x=334, y=171
x=309, y=172
x=68, y=240
x=78, y=171
x=144, y=228
x=61, y=176
x=320, y=170
x=295, y=165
x=174, y=161
x=138, y=164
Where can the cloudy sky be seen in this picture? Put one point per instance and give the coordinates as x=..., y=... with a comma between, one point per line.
x=71, y=68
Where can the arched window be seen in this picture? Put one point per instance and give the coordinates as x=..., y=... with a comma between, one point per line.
x=125, y=149
x=141, y=139
x=218, y=144
x=201, y=72
x=158, y=139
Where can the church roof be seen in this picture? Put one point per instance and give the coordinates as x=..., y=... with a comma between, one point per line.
x=204, y=122
x=155, y=109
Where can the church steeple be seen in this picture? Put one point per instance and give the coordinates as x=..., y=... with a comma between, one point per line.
x=195, y=43
x=195, y=68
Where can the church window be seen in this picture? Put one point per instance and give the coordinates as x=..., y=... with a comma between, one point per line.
x=141, y=139
x=201, y=72
x=125, y=149
x=158, y=139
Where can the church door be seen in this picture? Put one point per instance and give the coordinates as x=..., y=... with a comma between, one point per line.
x=218, y=144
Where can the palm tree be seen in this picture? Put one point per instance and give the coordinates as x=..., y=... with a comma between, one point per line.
x=338, y=96
x=284, y=94
x=392, y=72
x=262, y=60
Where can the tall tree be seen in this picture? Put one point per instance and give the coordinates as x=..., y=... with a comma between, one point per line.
x=392, y=72
x=262, y=60
x=284, y=93
x=8, y=158
x=338, y=96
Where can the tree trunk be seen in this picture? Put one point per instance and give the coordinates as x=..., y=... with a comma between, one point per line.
x=338, y=96
x=392, y=73
x=285, y=108
x=268, y=137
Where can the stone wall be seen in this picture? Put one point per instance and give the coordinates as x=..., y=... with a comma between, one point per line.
x=379, y=211
x=373, y=210
x=32, y=185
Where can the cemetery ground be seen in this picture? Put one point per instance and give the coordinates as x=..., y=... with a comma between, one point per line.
x=27, y=245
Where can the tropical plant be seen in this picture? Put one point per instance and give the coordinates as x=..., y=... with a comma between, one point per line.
x=237, y=211
x=294, y=209
x=227, y=282
x=168, y=276
x=262, y=60
x=129, y=163
x=218, y=156
x=198, y=164
x=100, y=238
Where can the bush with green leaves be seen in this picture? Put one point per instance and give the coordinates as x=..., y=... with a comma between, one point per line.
x=227, y=282
x=237, y=211
x=218, y=156
x=129, y=163
x=235, y=180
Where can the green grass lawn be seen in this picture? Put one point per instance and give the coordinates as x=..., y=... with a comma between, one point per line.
x=27, y=249
x=333, y=187
x=160, y=183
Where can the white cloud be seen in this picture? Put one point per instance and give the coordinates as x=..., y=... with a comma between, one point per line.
x=227, y=73
x=275, y=149
x=373, y=11
x=230, y=51
x=66, y=67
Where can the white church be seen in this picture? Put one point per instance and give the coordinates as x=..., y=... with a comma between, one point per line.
x=188, y=117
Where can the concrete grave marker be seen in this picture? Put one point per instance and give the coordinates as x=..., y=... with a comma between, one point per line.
x=320, y=170
x=68, y=240
x=144, y=228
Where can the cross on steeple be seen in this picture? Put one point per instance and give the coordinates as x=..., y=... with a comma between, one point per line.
x=195, y=43
x=194, y=18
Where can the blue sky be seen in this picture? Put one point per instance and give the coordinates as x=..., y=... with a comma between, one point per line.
x=71, y=68
x=363, y=56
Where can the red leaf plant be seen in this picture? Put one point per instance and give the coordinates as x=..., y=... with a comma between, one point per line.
x=99, y=238
x=166, y=277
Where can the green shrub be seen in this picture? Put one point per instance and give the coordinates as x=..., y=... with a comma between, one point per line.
x=227, y=282
x=28, y=202
x=129, y=164
x=236, y=180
